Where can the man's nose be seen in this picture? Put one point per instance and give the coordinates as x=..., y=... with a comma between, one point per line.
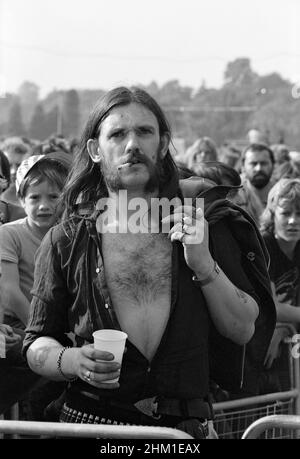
x=258, y=167
x=132, y=142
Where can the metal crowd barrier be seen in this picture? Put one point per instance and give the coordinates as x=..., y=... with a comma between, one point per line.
x=233, y=417
x=257, y=428
x=57, y=429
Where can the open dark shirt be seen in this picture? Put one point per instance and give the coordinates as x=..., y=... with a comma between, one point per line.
x=70, y=295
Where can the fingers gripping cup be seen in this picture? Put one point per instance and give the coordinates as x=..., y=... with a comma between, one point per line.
x=112, y=341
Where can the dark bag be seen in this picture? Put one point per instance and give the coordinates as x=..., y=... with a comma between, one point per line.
x=234, y=367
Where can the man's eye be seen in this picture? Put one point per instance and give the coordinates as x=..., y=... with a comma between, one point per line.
x=145, y=131
x=117, y=134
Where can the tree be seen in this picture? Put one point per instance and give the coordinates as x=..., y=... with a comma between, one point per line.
x=38, y=125
x=245, y=99
x=15, y=121
x=239, y=72
x=29, y=97
x=52, y=121
x=153, y=89
x=70, y=113
x=172, y=93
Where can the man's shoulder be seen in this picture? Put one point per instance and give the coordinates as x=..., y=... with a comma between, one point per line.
x=66, y=230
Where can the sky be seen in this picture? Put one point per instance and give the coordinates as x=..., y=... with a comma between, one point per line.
x=92, y=44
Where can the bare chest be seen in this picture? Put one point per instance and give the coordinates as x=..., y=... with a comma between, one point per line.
x=138, y=275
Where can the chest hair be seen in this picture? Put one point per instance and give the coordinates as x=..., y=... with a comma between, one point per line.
x=137, y=267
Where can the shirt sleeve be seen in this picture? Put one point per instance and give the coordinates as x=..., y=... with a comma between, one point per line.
x=9, y=243
x=227, y=253
x=50, y=302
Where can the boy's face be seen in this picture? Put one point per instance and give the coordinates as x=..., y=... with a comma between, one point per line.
x=287, y=220
x=40, y=205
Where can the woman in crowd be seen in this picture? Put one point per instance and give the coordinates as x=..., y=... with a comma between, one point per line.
x=280, y=226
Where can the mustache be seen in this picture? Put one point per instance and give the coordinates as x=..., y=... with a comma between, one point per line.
x=260, y=174
x=133, y=157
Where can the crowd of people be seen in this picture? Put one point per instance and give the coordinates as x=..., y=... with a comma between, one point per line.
x=198, y=301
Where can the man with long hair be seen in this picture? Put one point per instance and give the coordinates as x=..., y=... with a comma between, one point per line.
x=104, y=267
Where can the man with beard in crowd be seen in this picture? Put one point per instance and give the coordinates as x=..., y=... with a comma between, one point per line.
x=163, y=288
x=257, y=168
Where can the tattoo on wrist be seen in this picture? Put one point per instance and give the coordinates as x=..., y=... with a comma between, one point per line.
x=41, y=356
x=241, y=295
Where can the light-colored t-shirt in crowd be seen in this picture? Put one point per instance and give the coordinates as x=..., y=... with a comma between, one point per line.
x=18, y=244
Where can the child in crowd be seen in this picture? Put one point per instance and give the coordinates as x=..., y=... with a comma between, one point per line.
x=39, y=183
x=280, y=226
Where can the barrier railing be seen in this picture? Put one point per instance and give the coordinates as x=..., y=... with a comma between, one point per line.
x=233, y=417
x=56, y=429
x=284, y=422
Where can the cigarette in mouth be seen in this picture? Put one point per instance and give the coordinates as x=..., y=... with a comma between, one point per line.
x=123, y=165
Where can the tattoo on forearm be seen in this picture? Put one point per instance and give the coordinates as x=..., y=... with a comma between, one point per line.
x=241, y=295
x=41, y=357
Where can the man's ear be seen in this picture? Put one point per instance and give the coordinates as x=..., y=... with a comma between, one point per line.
x=164, y=145
x=94, y=150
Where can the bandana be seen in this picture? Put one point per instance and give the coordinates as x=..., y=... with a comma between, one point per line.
x=27, y=164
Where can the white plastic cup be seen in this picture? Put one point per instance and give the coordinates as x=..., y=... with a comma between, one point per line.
x=112, y=341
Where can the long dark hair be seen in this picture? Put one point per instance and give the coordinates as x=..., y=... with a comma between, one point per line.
x=86, y=181
x=5, y=166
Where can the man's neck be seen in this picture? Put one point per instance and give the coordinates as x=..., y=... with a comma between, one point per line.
x=132, y=211
x=118, y=196
x=262, y=193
